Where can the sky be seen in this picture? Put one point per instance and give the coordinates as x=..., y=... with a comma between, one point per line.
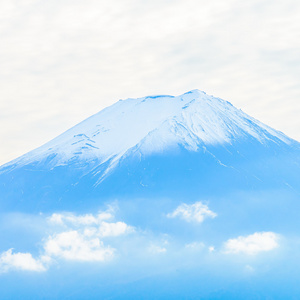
x=62, y=61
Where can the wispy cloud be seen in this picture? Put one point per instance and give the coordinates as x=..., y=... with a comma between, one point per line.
x=80, y=220
x=156, y=249
x=195, y=246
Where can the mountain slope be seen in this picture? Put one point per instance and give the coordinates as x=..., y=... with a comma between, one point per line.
x=157, y=145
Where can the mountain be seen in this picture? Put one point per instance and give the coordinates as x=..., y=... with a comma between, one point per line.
x=190, y=145
x=159, y=197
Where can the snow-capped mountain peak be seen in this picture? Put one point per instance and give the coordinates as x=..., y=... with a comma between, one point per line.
x=153, y=124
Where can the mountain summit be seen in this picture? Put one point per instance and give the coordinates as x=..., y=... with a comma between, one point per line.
x=146, y=138
x=153, y=124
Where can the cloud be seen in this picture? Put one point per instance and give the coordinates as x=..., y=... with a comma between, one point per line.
x=252, y=244
x=20, y=261
x=72, y=245
x=92, y=225
x=114, y=229
x=211, y=249
x=195, y=246
x=73, y=238
x=154, y=249
x=87, y=219
x=82, y=239
x=196, y=212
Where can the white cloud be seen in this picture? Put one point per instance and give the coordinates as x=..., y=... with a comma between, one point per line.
x=114, y=229
x=82, y=239
x=92, y=225
x=252, y=244
x=71, y=245
x=196, y=212
x=56, y=219
x=20, y=261
x=90, y=231
x=74, y=237
x=211, y=249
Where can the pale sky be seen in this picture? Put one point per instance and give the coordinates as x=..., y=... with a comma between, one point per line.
x=64, y=60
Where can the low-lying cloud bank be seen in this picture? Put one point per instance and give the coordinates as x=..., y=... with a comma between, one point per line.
x=98, y=237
